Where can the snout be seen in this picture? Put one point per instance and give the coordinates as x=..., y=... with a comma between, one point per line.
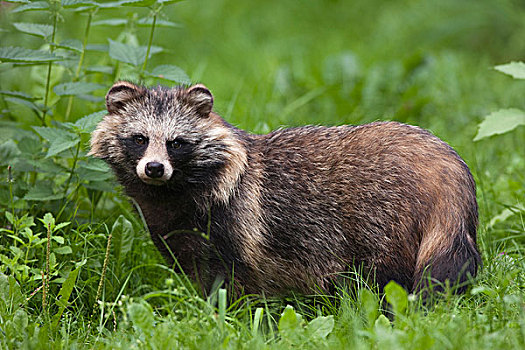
x=154, y=172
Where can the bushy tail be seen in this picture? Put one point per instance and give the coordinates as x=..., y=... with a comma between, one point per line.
x=448, y=251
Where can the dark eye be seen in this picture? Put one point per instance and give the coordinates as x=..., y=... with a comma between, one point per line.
x=175, y=144
x=140, y=140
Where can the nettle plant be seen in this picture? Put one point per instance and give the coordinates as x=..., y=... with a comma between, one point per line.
x=44, y=144
x=52, y=89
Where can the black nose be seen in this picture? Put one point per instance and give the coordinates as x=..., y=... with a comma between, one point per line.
x=154, y=170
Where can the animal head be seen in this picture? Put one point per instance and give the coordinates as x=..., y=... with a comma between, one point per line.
x=168, y=137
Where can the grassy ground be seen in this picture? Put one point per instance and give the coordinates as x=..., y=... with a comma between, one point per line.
x=269, y=64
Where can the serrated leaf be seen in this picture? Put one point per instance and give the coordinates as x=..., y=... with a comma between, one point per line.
x=88, y=123
x=137, y=3
x=514, y=69
x=42, y=192
x=41, y=30
x=32, y=6
x=71, y=44
x=64, y=295
x=113, y=22
x=20, y=54
x=500, y=122
x=148, y=21
x=170, y=72
x=23, y=102
x=126, y=53
x=78, y=3
x=76, y=88
x=18, y=94
x=397, y=296
x=320, y=327
x=8, y=152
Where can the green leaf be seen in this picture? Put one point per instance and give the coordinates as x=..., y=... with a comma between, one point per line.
x=122, y=233
x=42, y=192
x=148, y=21
x=289, y=320
x=320, y=327
x=64, y=295
x=71, y=44
x=88, y=123
x=500, y=122
x=142, y=317
x=58, y=239
x=113, y=22
x=100, y=69
x=514, y=69
x=10, y=217
x=8, y=152
x=170, y=72
x=138, y=3
x=397, y=297
x=21, y=54
x=32, y=6
x=18, y=94
x=63, y=250
x=60, y=140
x=78, y=3
x=369, y=305
x=10, y=295
x=382, y=322
x=41, y=30
x=126, y=53
x=76, y=88
x=23, y=102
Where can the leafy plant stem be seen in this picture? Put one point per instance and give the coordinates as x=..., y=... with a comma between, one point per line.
x=149, y=43
x=49, y=68
x=75, y=160
x=80, y=62
x=45, y=279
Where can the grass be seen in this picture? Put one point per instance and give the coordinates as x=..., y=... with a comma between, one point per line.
x=269, y=64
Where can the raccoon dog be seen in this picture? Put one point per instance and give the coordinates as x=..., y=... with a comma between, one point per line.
x=294, y=209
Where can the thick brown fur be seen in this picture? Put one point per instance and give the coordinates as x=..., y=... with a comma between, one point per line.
x=294, y=209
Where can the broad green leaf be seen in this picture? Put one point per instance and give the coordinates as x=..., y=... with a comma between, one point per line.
x=148, y=21
x=32, y=6
x=64, y=295
x=63, y=250
x=514, y=69
x=76, y=88
x=114, y=22
x=18, y=94
x=142, y=317
x=138, y=3
x=126, y=53
x=500, y=122
x=10, y=217
x=20, y=321
x=88, y=123
x=48, y=220
x=122, y=233
x=58, y=239
x=42, y=192
x=369, y=305
x=71, y=44
x=170, y=72
x=397, y=297
x=320, y=327
x=21, y=54
x=24, y=102
x=382, y=322
x=289, y=320
x=41, y=30
x=10, y=295
x=59, y=139
x=8, y=152
x=78, y=3
x=100, y=69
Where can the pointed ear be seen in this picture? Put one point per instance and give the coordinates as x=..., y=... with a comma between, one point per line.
x=120, y=93
x=201, y=99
